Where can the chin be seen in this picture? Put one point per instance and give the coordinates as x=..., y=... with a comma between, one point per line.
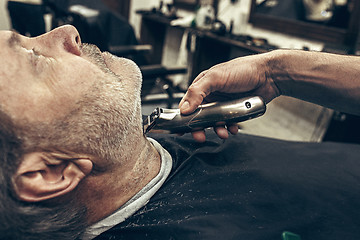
x=126, y=70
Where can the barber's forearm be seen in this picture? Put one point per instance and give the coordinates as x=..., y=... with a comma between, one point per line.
x=326, y=79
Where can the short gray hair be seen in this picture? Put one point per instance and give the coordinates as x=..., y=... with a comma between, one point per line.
x=22, y=220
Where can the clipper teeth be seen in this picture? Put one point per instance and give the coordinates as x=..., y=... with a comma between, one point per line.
x=149, y=122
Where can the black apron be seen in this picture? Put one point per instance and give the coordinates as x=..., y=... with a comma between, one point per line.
x=250, y=187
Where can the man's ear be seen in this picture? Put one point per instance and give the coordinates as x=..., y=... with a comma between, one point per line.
x=42, y=177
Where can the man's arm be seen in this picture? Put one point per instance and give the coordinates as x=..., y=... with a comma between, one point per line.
x=327, y=79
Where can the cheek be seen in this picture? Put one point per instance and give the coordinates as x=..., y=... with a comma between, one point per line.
x=21, y=94
x=46, y=98
x=30, y=103
x=76, y=75
x=75, y=78
x=71, y=86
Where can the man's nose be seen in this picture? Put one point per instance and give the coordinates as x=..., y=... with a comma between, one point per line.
x=64, y=37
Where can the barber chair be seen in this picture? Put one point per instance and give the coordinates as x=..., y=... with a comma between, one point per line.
x=111, y=32
x=26, y=19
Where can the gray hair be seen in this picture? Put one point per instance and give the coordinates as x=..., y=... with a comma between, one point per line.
x=21, y=220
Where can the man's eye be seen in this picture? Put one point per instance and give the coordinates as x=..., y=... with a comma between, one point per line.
x=34, y=56
x=32, y=52
x=38, y=61
x=36, y=52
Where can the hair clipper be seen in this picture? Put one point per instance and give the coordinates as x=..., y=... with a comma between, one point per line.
x=164, y=120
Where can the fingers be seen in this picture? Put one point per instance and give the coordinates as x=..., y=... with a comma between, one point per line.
x=199, y=136
x=207, y=82
x=192, y=99
x=221, y=131
x=195, y=94
x=233, y=129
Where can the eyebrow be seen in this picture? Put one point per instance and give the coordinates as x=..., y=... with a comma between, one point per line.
x=14, y=39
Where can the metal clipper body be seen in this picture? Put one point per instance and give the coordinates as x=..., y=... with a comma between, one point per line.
x=208, y=115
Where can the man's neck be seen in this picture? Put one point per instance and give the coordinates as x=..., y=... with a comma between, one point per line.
x=105, y=193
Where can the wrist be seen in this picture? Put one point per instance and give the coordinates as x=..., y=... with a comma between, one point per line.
x=276, y=71
x=284, y=67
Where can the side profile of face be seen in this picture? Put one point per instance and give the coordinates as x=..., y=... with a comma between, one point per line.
x=70, y=116
x=64, y=94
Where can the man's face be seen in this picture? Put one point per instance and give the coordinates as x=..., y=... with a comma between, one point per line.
x=42, y=78
x=55, y=84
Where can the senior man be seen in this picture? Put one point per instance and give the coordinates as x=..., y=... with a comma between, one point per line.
x=76, y=165
x=71, y=113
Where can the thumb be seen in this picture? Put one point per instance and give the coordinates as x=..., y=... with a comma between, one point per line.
x=193, y=98
x=188, y=104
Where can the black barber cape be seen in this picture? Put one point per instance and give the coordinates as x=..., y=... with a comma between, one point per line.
x=249, y=187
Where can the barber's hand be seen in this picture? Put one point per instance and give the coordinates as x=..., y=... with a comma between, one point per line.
x=244, y=76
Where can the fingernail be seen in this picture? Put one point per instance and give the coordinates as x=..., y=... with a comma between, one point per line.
x=185, y=105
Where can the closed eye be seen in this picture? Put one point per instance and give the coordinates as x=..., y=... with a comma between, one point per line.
x=38, y=60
